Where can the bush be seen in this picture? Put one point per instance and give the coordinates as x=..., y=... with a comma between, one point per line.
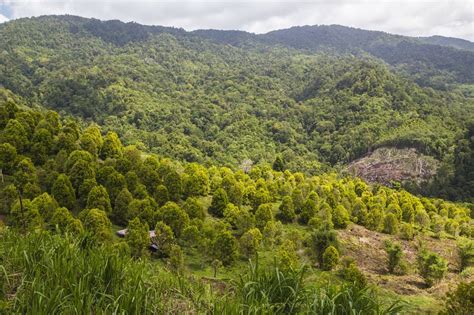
x=330, y=258
x=340, y=217
x=390, y=225
x=406, y=231
x=352, y=274
x=431, y=266
x=461, y=300
x=466, y=253
x=321, y=240
x=395, y=256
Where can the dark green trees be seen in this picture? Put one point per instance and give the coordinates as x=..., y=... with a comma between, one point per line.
x=286, y=210
x=63, y=192
x=99, y=198
x=224, y=248
x=219, y=202
x=138, y=238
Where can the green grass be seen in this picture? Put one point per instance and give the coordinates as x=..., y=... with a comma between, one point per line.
x=45, y=273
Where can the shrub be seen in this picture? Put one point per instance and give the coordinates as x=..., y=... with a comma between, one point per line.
x=287, y=256
x=330, y=258
x=431, y=266
x=176, y=259
x=407, y=232
x=390, y=225
x=350, y=273
x=461, y=300
x=250, y=241
x=263, y=215
x=466, y=253
x=286, y=210
x=138, y=238
x=395, y=256
x=321, y=240
x=340, y=217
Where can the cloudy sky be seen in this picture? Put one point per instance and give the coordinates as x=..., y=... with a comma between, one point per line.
x=408, y=17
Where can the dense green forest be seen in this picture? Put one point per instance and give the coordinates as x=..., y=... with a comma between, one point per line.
x=188, y=97
x=222, y=159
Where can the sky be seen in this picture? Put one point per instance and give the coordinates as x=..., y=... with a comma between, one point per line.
x=453, y=18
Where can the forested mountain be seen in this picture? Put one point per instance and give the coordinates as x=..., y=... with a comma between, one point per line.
x=187, y=97
x=449, y=42
x=423, y=57
x=221, y=158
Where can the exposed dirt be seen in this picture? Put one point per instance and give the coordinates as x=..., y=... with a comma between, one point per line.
x=367, y=248
x=386, y=165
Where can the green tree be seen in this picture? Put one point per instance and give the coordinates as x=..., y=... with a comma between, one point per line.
x=63, y=192
x=461, y=300
x=395, y=255
x=321, y=240
x=138, y=238
x=286, y=255
x=16, y=135
x=176, y=259
x=99, y=198
x=173, y=183
x=390, y=225
x=278, y=164
x=163, y=239
x=112, y=147
x=46, y=205
x=98, y=225
x=80, y=172
x=341, y=217
x=144, y=209
x=161, y=195
x=219, y=202
x=25, y=216
x=121, y=207
x=250, y=242
x=24, y=176
x=286, y=210
x=263, y=214
x=8, y=157
x=330, y=258
x=194, y=209
x=224, y=247
x=175, y=217
x=310, y=208
x=466, y=253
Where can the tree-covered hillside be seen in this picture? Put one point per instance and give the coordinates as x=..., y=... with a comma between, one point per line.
x=65, y=188
x=187, y=97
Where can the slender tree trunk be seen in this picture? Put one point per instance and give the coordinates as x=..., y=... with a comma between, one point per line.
x=22, y=210
x=1, y=174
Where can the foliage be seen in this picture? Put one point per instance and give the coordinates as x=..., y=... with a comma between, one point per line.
x=395, y=256
x=461, y=300
x=330, y=258
x=138, y=238
x=431, y=266
x=322, y=239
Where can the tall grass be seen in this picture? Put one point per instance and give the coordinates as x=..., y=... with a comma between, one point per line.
x=52, y=274
x=43, y=273
x=275, y=291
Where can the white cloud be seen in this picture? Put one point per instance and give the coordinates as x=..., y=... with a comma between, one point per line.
x=406, y=17
x=3, y=18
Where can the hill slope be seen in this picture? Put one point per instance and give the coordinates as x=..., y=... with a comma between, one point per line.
x=188, y=97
